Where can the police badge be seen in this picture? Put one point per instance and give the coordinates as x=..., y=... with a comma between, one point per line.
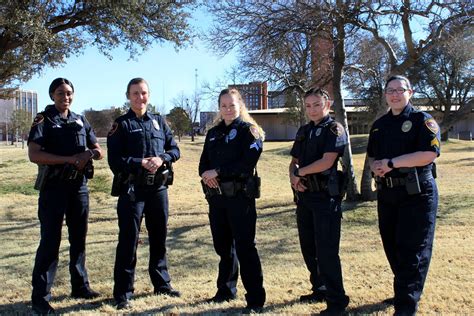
x=406, y=126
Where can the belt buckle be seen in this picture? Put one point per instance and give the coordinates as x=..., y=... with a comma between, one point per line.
x=389, y=182
x=150, y=179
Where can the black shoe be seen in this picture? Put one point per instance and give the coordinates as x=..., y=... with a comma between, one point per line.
x=124, y=304
x=220, y=298
x=86, y=293
x=252, y=309
x=42, y=307
x=168, y=291
x=389, y=301
x=336, y=308
x=314, y=297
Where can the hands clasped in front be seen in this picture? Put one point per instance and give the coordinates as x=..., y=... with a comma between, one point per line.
x=380, y=167
x=152, y=163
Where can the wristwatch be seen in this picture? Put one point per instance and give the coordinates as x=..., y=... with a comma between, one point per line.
x=296, y=172
x=390, y=164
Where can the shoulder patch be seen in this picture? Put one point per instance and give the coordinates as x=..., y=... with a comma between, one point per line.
x=337, y=129
x=38, y=119
x=432, y=125
x=113, y=129
x=254, y=131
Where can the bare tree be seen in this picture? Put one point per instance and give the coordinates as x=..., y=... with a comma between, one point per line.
x=274, y=39
x=382, y=19
x=444, y=77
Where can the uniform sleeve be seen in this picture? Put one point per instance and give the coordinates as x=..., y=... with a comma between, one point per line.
x=251, y=148
x=90, y=135
x=429, y=137
x=336, y=139
x=296, y=149
x=204, y=163
x=36, y=134
x=118, y=159
x=172, y=152
x=371, y=143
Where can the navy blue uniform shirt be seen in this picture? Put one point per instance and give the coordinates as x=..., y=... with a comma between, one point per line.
x=64, y=137
x=312, y=141
x=233, y=150
x=395, y=135
x=131, y=139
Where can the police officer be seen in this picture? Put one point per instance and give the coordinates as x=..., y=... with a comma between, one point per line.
x=141, y=149
x=62, y=143
x=230, y=154
x=316, y=183
x=402, y=147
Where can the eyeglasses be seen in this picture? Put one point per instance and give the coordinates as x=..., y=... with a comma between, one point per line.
x=398, y=91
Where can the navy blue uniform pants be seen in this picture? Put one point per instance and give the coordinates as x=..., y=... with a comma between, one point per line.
x=407, y=225
x=233, y=221
x=57, y=200
x=153, y=204
x=319, y=228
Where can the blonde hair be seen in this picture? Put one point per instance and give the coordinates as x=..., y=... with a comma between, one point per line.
x=244, y=114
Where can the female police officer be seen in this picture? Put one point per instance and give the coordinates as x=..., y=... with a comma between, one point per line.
x=228, y=160
x=314, y=177
x=61, y=142
x=140, y=150
x=402, y=147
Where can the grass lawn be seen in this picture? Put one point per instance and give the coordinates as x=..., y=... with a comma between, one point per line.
x=193, y=263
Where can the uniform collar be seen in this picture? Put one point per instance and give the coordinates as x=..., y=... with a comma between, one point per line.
x=55, y=113
x=145, y=116
x=234, y=123
x=404, y=114
x=323, y=122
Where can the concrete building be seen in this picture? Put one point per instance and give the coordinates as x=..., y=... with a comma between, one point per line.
x=21, y=100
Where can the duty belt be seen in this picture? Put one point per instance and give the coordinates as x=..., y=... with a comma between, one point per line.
x=148, y=179
x=227, y=189
x=391, y=182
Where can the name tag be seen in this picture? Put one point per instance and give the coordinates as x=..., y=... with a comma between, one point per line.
x=136, y=130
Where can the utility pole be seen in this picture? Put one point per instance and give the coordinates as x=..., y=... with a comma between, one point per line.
x=194, y=112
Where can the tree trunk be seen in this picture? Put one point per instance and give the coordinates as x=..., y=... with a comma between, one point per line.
x=367, y=193
x=366, y=189
x=339, y=107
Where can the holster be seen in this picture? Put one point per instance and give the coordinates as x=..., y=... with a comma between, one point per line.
x=252, y=187
x=117, y=184
x=42, y=177
x=210, y=192
x=89, y=170
x=412, y=183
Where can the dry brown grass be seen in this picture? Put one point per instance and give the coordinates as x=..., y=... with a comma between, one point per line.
x=193, y=263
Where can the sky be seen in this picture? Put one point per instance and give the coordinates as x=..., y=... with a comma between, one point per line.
x=100, y=83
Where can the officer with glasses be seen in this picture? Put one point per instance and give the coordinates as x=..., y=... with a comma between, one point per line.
x=403, y=145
